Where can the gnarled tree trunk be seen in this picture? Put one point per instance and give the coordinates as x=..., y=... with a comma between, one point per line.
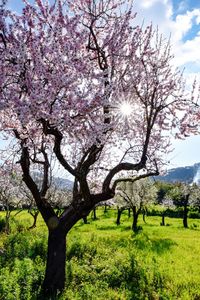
x=54, y=280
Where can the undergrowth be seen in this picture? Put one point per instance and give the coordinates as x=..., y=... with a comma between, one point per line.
x=105, y=261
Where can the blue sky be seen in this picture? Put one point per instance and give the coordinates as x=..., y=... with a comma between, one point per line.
x=184, y=7
x=181, y=19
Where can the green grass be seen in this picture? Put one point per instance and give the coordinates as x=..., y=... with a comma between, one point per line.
x=106, y=261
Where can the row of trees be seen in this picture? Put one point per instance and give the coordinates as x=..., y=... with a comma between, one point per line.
x=132, y=194
x=66, y=69
x=139, y=195
x=14, y=194
x=171, y=195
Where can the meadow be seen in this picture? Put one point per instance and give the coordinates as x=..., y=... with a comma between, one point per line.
x=105, y=261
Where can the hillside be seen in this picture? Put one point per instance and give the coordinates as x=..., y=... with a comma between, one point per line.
x=63, y=183
x=186, y=174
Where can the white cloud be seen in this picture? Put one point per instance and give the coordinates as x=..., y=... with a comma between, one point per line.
x=188, y=52
x=149, y=3
x=160, y=13
x=182, y=6
x=184, y=22
x=156, y=11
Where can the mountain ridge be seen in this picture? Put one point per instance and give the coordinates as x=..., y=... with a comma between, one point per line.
x=187, y=174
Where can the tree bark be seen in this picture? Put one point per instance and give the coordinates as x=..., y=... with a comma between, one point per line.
x=119, y=212
x=163, y=220
x=7, y=221
x=94, y=214
x=135, y=219
x=185, y=213
x=85, y=220
x=129, y=212
x=143, y=216
x=54, y=280
x=34, y=215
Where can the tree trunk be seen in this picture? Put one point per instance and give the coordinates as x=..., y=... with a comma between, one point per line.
x=34, y=215
x=7, y=222
x=163, y=220
x=143, y=216
x=54, y=280
x=85, y=220
x=185, y=213
x=135, y=219
x=94, y=214
x=105, y=208
x=119, y=212
x=129, y=212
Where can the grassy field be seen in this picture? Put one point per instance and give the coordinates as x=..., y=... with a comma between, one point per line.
x=106, y=261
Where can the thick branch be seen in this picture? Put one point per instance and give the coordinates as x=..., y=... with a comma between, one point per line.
x=91, y=158
x=45, y=181
x=122, y=167
x=45, y=209
x=47, y=129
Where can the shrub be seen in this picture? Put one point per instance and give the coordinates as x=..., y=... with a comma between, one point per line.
x=24, y=244
x=22, y=282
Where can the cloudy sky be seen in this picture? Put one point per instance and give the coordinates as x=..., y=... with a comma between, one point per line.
x=181, y=20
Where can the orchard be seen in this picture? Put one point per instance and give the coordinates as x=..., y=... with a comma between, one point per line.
x=69, y=70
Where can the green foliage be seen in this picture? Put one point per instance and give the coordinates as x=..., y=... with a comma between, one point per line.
x=21, y=245
x=23, y=280
x=105, y=261
x=163, y=188
x=157, y=210
x=22, y=263
x=194, y=214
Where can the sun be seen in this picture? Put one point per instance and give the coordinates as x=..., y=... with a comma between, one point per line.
x=125, y=108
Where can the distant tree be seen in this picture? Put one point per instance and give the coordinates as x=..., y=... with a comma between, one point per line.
x=120, y=209
x=183, y=195
x=163, y=197
x=194, y=201
x=9, y=192
x=166, y=204
x=136, y=195
x=163, y=189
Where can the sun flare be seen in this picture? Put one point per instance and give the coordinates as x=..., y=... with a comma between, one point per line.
x=125, y=108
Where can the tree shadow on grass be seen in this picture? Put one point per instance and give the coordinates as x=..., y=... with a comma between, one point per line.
x=107, y=227
x=125, y=228
x=159, y=246
x=162, y=245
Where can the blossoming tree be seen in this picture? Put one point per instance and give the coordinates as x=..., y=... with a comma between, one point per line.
x=184, y=195
x=136, y=195
x=67, y=68
x=10, y=195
